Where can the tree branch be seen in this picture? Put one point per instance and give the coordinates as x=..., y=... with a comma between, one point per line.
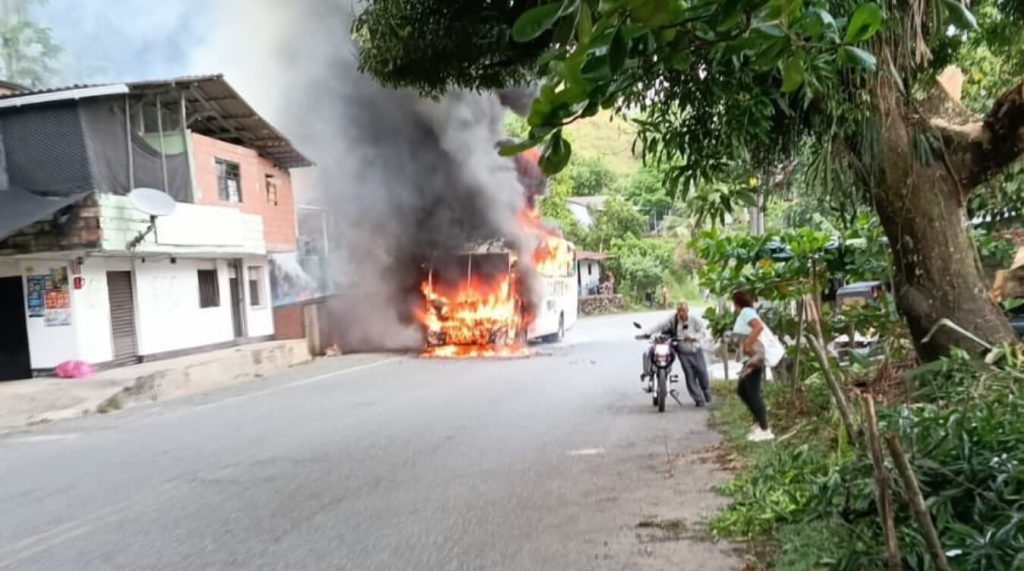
x=977, y=148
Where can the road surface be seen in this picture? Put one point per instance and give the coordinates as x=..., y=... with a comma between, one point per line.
x=367, y=463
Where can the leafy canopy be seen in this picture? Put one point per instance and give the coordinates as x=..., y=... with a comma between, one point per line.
x=712, y=85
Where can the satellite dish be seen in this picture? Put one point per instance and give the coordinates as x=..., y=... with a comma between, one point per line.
x=152, y=201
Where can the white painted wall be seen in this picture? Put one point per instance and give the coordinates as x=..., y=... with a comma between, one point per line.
x=167, y=311
x=590, y=275
x=50, y=346
x=92, y=309
x=582, y=215
x=193, y=229
x=9, y=268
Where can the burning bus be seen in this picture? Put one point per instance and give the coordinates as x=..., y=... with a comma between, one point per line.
x=476, y=303
x=486, y=301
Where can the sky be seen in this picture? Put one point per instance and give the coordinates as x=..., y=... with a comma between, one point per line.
x=117, y=40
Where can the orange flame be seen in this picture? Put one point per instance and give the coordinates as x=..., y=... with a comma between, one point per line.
x=488, y=319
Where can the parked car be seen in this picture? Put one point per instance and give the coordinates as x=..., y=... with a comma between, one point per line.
x=1016, y=316
x=860, y=293
x=864, y=345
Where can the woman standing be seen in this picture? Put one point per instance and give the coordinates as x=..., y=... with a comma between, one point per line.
x=748, y=329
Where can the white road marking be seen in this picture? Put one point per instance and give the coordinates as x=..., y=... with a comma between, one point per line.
x=587, y=452
x=291, y=385
x=42, y=438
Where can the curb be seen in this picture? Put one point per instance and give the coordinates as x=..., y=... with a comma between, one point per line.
x=218, y=370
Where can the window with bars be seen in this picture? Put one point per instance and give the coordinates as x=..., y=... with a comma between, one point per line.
x=256, y=293
x=229, y=181
x=209, y=289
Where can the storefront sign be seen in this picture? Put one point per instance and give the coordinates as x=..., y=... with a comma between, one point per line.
x=35, y=289
x=57, y=298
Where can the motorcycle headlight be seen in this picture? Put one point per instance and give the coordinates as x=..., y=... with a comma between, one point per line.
x=661, y=351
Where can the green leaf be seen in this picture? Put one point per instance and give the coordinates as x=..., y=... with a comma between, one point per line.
x=864, y=23
x=960, y=16
x=536, y=21
x=818, y=21
x=556, y=154
x=585, y=26
x=617, y=51
x=857, y=57
x=792, y=74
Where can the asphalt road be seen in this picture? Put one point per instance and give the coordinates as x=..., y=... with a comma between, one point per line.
x=557, y=462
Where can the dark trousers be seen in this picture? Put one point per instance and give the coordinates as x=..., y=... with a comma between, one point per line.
x=695, y=369
x=749, y=391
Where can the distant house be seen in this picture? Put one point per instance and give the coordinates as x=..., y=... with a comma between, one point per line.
x=588, y=270
x=584, y=208
x=85, y=274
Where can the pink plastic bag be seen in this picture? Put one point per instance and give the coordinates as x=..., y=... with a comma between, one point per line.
x=75, y=370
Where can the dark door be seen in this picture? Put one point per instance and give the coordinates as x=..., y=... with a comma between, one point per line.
x=122, y=317
x=237, y=300
x=14, y=358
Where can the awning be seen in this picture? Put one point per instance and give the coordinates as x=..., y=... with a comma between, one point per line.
x=20, y=208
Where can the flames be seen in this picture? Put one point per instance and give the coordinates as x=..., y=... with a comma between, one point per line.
x=474, y=319
x=487, y=316
x=553, y=256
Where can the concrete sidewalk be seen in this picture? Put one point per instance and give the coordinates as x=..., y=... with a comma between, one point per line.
x=40, y=400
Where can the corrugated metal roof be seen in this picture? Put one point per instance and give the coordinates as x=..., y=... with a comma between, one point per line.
x=227, y=115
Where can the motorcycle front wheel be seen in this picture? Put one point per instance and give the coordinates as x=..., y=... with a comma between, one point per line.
x=662, y=389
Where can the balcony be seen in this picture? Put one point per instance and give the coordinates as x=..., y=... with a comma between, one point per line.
x=192, y=229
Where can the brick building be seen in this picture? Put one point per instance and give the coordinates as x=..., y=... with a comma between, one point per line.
x=86, y=273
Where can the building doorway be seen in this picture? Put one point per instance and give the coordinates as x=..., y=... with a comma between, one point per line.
x=121, y=294
x=14, y=357
x=236, y=283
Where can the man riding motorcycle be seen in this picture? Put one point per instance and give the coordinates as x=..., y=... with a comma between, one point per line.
x=690, y=332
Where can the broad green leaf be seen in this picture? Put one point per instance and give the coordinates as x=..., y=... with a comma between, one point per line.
x=960, y=16
x=536, y=21
x=817, y=21
x=857, y=57
x=617, y=51
x=585, y=26
x=557, y=153
x=864, y=23
x=792, y=74
x=772, y=30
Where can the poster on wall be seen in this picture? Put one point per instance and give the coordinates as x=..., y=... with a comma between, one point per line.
x=290, y=282
x=58, y=318
x=35, y=291
x=57, y=298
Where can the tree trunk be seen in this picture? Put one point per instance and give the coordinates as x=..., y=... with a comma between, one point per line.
x=937, y=273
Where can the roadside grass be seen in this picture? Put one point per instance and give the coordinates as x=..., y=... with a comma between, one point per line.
x=773, y=481
x=110, y=405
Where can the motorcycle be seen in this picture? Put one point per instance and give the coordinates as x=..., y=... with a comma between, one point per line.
x=658, y=362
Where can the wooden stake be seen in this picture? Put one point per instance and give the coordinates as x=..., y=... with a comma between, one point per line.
x=799, y=340
x=833, y=386
x=883, y=495
x=917, y=504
